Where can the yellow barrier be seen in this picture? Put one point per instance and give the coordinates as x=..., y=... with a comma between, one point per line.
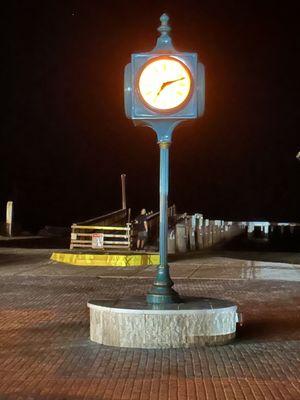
x=107, y=260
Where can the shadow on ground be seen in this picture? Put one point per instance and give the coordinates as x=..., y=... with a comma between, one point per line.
x=269, y=329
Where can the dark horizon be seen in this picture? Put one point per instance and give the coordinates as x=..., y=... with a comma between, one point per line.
x=65, y=138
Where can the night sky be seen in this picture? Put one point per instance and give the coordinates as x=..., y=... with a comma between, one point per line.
x=65, y=139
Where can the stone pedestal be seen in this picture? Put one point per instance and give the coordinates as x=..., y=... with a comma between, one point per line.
x=132, y=322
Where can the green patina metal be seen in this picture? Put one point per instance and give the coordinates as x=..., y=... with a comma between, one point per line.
x=163, y=123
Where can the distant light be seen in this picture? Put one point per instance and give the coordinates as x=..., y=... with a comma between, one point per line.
x=298, y=156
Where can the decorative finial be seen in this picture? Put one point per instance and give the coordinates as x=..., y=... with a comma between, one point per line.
x=164, y=28
x=164, y=42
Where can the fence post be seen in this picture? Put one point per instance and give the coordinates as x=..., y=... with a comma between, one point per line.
x=123, y=183
x=205, y=232
x=192, y=229
x=180, y=238
x=200, y=232
x=9, y=218
x=211, y=228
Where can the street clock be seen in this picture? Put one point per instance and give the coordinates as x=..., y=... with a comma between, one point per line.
x=164, y=87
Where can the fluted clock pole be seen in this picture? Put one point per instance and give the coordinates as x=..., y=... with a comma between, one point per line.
x=161, y=291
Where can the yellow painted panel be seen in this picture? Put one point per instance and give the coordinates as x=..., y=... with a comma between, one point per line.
x=105, y=260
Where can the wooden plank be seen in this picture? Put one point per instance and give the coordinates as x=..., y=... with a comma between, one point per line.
x=116, y=236
x=81, y=241
x=105, y=235
x=74, y=242
x=112, y=242
x=105, y=228
x=82, y=245
x=115, y=247
x=119, y=245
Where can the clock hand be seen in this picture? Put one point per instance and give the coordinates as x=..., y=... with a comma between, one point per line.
x=167, y=84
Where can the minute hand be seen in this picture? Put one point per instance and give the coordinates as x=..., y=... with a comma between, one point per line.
x=168, y=83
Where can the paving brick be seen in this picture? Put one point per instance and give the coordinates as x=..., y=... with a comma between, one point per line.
x=45, y=351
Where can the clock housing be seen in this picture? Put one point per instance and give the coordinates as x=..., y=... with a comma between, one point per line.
x=138, y=109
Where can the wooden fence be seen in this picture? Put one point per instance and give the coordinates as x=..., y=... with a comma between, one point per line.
x=101, y=237
x=109, y=231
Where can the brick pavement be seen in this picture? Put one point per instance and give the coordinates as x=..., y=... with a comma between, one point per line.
x=45, y=351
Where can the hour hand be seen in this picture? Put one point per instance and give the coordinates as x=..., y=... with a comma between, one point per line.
x=167, y=84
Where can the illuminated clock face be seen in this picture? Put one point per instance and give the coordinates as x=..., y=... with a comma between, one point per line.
x=165, y=83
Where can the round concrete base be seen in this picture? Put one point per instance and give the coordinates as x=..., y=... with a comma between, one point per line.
x=134, y=323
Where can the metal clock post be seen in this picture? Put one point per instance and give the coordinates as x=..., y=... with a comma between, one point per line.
x=163, y=88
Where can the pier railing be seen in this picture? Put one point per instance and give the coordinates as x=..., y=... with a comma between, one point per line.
x=109, y=231
x=101, y=237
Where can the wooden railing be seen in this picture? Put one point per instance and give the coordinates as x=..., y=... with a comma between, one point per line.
x=119, y=217
x=109, y=231
x=101, y=237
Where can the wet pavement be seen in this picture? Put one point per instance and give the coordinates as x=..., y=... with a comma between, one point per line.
x=45, y=351
x=227, y=268
x=205, y=266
